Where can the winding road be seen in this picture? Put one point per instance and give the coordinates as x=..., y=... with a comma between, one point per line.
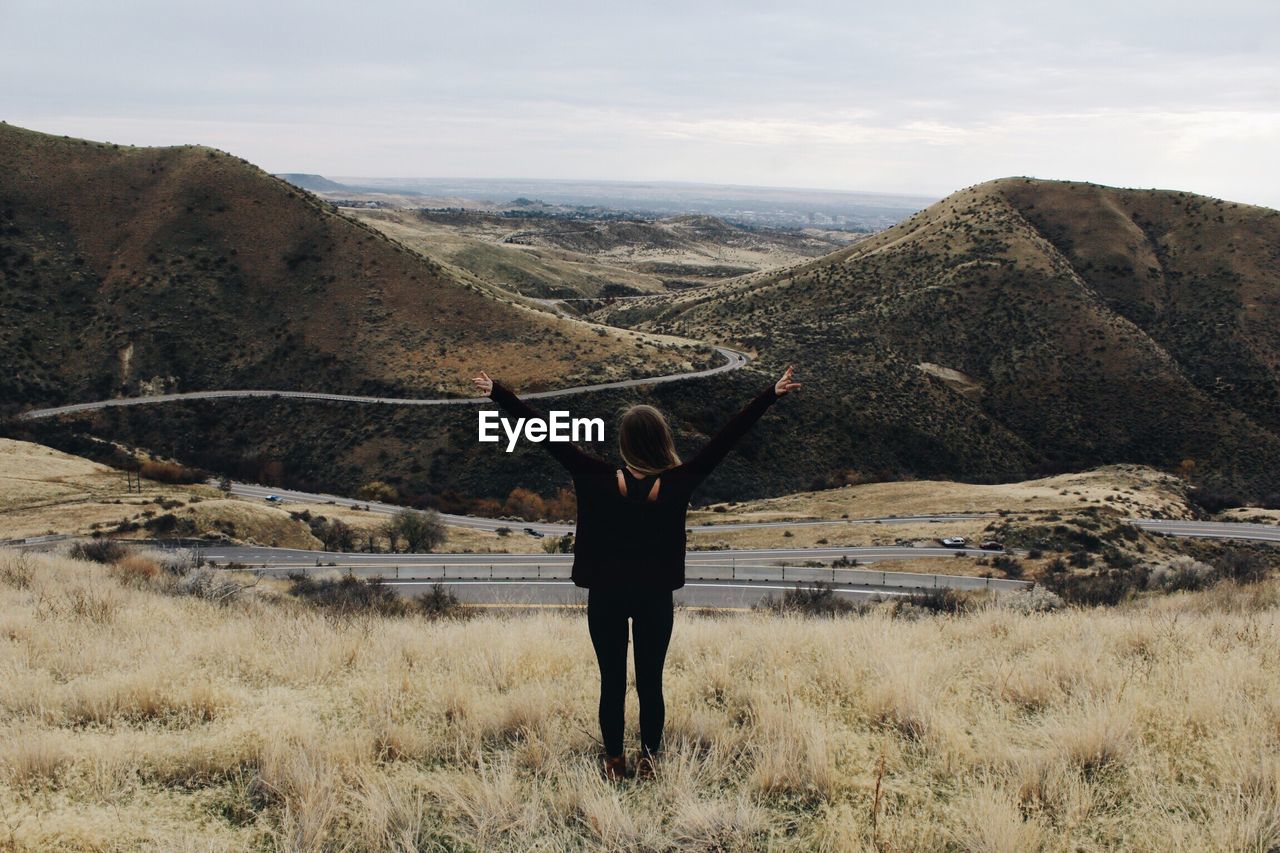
x=733, y=360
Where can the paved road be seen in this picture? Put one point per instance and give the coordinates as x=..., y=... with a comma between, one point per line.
x=733, y=360
x=722, y=595
x=250, y=490
x=1211, y=529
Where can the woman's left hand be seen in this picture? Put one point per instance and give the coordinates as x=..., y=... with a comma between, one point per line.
x=484, y=383
x=785, y=384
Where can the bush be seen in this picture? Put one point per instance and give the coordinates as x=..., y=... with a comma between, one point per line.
x=171, y=472
x=1011, y=566
x=349, y=595
x=105, y=551
x=212, y=585
x=1181, y=573
x=819, y=599
x=422, y=530
x=940, y=601
x=1241, y=566
x=136, y=570
x=439, y=602
x=1037, y=599
x=1103, y=588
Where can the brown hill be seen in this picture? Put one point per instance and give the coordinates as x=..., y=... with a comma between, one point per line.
x=133, y=269
x=1095, y=324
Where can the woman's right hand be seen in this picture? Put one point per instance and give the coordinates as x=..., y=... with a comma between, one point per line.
x=785, y=384
x=484, y=383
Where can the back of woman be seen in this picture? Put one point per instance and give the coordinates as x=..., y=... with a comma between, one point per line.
x=629, y=551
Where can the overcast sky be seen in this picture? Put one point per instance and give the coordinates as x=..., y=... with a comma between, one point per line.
x=920, y=97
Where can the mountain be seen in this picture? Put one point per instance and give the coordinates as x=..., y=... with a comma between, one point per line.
x=127, y=270
x=1091, y=324
x=315, y=183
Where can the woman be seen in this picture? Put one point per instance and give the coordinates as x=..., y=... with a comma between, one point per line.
x=629, y=551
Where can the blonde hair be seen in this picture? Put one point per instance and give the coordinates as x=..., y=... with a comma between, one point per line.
x=645, y=441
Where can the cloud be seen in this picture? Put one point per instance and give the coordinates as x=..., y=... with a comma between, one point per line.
x=821, y=94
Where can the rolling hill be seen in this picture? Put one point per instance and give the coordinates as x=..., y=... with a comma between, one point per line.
x=1090, y=324
x=547, y=255
x=128, y=270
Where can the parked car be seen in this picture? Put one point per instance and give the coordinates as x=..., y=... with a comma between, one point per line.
x=533, y=532
x=954, y=542
x=991, y=545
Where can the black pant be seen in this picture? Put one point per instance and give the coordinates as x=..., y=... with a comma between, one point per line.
x=651, y=613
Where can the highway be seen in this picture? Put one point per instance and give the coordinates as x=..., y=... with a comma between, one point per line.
x=733, y=360
x=1211, y=529
x=722, y=579
x=723, y=595
x=251, y=490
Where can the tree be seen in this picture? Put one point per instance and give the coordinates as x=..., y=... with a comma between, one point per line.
x=337, y=535
x=526, y=504
x=377, y=490
x=422, y=530
x=391, y=530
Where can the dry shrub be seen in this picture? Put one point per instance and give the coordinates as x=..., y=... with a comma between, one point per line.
x=16, y=569
x=170, y=472
x=136, y=570
x=34, y=758
x=104, y=551
x=991, y=822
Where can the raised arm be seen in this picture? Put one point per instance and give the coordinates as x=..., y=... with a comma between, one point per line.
x=567, y=454
x=719, y=446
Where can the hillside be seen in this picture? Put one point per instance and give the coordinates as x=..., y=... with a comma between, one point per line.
x=126, y=270
x=1096, y=325
x=545, y=255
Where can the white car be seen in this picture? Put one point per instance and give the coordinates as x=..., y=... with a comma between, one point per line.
x=954, y=542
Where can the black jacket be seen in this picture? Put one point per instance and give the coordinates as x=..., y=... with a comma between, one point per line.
x=628, y=542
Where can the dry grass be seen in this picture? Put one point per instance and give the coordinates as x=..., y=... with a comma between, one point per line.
x=131, y=718
x=1133, y=489
x=43, y=490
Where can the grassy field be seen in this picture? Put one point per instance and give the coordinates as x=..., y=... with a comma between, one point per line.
x=134, y=716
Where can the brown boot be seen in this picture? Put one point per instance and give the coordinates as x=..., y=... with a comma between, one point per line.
x=615, y=768
x=646, y=765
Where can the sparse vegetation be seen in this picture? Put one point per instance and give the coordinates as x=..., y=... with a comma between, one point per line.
x=264, y=724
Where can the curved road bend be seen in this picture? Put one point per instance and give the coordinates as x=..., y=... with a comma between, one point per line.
x=734, y=360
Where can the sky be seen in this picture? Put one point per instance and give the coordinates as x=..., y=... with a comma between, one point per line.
x=922, y=97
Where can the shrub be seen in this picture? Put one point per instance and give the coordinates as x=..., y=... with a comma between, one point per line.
x=136, y=570
x=439, y=602
x=16, y=569
x=421, y=530
x=1241, y=566
x=349, y=595
x=211, y=585
x=819, y=599
x=1011, y=566
x=105, y=551
x=171, y=472
x=941, y=601
x=1103, y=588
x=1037, y=599
x=1181, y=573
